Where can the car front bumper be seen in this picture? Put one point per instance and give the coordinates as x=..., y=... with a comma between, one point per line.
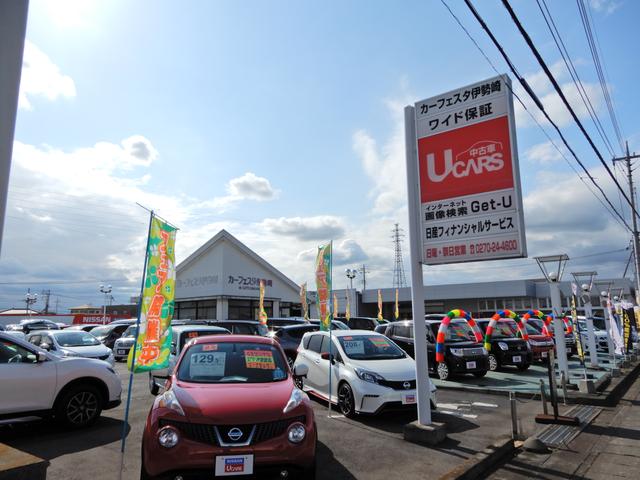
x=464, y=364
x=373, y=398
x=509, y=357
x=194, y=459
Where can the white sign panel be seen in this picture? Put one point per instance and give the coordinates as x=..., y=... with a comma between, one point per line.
x=470, y=199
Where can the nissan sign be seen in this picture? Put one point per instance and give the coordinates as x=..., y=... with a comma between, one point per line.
x=469, y=189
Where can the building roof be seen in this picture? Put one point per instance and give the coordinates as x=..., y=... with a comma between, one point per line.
x=224, y=235
x=19, y=311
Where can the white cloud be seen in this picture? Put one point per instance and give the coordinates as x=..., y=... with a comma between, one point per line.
x=323, y=227
x=544, y=153
x=42, y=78
x=605, y=6
x=246, y=187
x=385, y=166
x=345, y=252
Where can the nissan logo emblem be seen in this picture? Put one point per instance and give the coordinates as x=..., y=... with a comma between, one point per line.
x=406, y=385
x=235, y=434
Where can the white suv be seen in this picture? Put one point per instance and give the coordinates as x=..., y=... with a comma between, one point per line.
x=36, y=383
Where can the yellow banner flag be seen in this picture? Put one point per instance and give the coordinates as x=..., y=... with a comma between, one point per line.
x=303, y=301
x=335, y=304
x=397, y=311
x=380, y=317
x=262, y=315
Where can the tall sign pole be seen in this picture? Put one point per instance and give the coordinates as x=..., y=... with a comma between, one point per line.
x=13, y=26
x=463, y=185
x=417, y=285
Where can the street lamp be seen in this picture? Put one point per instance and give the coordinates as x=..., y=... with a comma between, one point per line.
x=30, y=299
x=553, y=277
x=351, y=274
x=107, y=291
x=587, y=278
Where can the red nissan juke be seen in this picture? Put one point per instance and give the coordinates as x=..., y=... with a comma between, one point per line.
x=230, y=408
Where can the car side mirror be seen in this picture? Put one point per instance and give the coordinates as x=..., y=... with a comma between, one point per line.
x=173, y=349
x=328, y=356
x=300, y=371
x=45, y=346
x=41, y=357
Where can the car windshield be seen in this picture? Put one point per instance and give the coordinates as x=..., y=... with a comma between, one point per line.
x=263, y=331
x=102, y=331
x=502, y=330
x=459, y=332
x=531, y=330
x=369, y=347
x=338, y=325
x=76, y=339
x=228, y=362
x=130, y=332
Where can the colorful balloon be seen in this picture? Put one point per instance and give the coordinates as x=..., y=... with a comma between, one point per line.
x=444, y=325
x=499, y=315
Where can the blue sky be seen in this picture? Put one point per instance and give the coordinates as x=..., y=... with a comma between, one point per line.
x=281, y=122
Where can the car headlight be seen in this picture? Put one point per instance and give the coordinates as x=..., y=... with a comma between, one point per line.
x=368, y=376
x=169, y=400
x=296, y=399
x=168, y=437
x=69, y=353
x=456, y=351
x=503, y=346
x=296, y=432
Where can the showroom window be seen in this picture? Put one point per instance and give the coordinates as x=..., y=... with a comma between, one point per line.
x=248, y=309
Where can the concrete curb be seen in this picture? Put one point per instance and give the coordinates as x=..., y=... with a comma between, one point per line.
x=482, y=462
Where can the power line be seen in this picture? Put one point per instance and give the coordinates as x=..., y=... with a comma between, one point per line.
x=599, y=69
x=557, y=38
x=560, y=93
x=612, y=211
x=538, y=103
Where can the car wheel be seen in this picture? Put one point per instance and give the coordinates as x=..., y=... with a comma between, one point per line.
x=480, y=374
x=153, y=388
x=346, y=403
x=79, y=406
x=443, y=371
x=493, y=362
x=524, y=367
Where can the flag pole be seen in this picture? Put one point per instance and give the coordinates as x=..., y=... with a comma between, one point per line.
x=331, y=313
x=135, y=344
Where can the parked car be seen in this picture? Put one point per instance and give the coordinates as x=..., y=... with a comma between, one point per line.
x=462, y=353
x=276, y=323
x=231, y=408
x=540, y=344
x=569, y=339
x=601, y=336
x=87, y=327
x=188, y=322
x=36, y=383
x=28, y=325
x=289, y=337
x=123, y=321
x=241, y=327
x=71, y=343
x=108, y=334
x=336, y=324
x=361, y=323
x=123, y=344
x=180, y=336
x=506, y=347
x=369, y=373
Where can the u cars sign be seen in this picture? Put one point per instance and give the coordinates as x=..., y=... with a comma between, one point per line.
x=470, y=200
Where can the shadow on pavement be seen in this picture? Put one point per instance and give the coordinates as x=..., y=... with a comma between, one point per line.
x=619, y=432
x=47, y=439
x=328, y=467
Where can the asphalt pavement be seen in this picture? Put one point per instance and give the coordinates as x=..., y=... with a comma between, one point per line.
x=367, y=447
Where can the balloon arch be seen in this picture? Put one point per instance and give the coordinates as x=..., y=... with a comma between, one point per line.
x=506, y=314
x=547, y=319
x=444, y=326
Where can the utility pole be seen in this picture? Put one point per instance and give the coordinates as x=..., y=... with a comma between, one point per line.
x=46, y=294
x=363, y=270
x=636, y=247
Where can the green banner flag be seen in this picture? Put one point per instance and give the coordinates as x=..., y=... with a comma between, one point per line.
x=323, y=285
x=153, y=344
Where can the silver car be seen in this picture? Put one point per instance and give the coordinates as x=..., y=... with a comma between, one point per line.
x=71, y=343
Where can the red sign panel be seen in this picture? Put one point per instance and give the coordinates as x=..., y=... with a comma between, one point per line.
x=465, y=161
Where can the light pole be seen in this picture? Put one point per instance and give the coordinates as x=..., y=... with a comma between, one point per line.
x=107, y=291
x=587, y=282
x=351, y=274
x=554, y=277
x=30, y=299
x=605, y=298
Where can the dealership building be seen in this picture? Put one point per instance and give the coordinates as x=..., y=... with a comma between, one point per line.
x=221, y=280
